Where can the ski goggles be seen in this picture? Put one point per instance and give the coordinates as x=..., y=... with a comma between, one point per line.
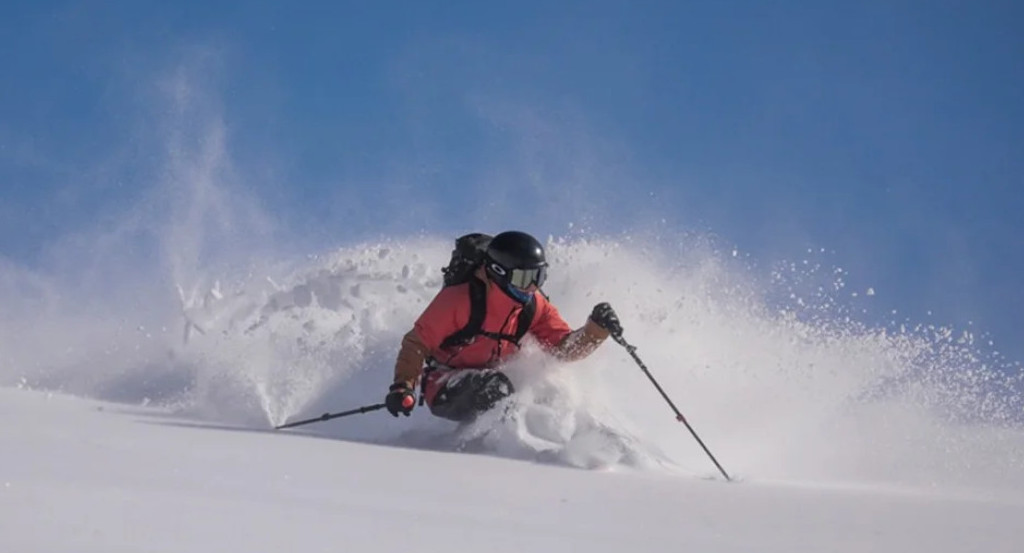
x=523, y=278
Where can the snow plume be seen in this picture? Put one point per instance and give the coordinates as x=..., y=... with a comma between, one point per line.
x=776, y=392
x=101, y=313
x=208, y=217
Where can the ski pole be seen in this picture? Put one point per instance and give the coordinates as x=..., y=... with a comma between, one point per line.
x=679, y=416
x=329, y=416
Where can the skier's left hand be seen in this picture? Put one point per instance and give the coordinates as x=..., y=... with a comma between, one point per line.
x=604, y=316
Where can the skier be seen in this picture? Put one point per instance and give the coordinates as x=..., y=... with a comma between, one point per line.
x=491, y=299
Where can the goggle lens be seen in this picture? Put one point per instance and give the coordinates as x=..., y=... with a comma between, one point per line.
x=523, y=278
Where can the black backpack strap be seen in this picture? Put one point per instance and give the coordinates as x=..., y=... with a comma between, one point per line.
x=525, y=319
x=477, y=312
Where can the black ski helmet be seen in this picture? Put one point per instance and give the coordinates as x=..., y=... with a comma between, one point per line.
x=516, y=258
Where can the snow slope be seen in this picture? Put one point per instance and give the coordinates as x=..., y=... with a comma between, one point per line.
x=85, y=476
x=146, y=425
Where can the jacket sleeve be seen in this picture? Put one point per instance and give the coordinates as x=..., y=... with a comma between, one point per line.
x=411, y=356
x=445, y=314
x=557, y=338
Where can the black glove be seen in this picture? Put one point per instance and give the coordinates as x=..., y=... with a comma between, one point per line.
x=400, y=399
x=604, y=316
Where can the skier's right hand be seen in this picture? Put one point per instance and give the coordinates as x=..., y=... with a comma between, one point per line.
x=400, y=399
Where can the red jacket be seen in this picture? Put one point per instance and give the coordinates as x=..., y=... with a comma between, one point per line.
x=449, y=312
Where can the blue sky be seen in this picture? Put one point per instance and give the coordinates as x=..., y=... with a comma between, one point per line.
x=888, y=133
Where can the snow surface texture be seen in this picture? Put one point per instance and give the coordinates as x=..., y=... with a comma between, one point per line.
x=845, y=437
x=90, y=477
